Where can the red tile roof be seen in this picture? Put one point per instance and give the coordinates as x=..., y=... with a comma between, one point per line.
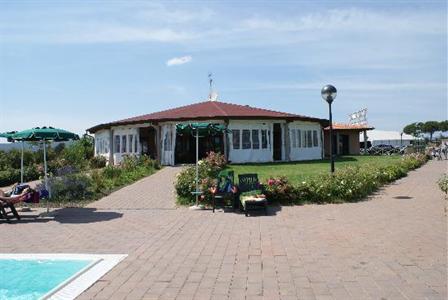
x=207, y=110
x=343, y=126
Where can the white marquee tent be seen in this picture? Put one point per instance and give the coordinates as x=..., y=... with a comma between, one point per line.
x=378, y=137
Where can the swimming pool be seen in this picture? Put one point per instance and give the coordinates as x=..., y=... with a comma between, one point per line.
x=51, y=276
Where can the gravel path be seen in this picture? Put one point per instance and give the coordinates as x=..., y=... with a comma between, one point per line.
x=153, y=192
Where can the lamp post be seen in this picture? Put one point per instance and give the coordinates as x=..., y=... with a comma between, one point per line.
x=329, y=93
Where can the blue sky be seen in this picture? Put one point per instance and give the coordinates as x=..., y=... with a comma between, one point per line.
x=75, y=64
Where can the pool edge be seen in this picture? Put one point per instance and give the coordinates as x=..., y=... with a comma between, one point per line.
x=83, y=279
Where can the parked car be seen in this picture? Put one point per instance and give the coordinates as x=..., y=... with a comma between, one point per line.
x=383, y=149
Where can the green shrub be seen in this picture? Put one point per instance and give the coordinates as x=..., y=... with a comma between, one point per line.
x=74, y=155
x=279, y=189
x=131, y=169
x=98, y=162
x=100, y=184
x=111, y=172
x=70, y=185
x=209, y=169
x=443, y=183
x=9, y=176
x=78, y=153
x=14, y=157
x=59, y=148
x=186, y=184
x=31, y=173
x=345, y=185
x=73, y=187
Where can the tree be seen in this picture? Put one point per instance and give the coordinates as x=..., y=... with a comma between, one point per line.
x=79, y=152
x=430, y=127
x=414, y=129
x=443, y=125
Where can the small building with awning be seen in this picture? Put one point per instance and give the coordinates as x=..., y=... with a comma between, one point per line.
x=251, y=135
x=346, y=138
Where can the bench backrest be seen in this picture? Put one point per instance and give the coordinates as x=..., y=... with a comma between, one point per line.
x=248, y=182
x=225, y=181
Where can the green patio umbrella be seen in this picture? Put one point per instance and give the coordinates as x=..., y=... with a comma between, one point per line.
x=43, y=134
x=199, y=130
x=7, y=135
x=202, y=129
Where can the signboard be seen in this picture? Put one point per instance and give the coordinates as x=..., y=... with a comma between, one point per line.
x=358, y=118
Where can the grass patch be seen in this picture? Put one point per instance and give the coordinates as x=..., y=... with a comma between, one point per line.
x=297, y=172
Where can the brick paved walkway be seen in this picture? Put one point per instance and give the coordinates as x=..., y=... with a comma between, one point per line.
x=391, y=247
x=153, y=192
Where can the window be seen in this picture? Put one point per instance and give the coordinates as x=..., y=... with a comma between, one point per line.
x=135, y=144
x=106, y=146
x=264, y=139
x=299, y=139
x=304, y=144
x=236, y=138
x=293, y=137
x=315, y=140
x=123, y=144
x=246, y=139
x=97, y=150
x=309, y=139
x=131, y=139
x=167, y=142
x=255, y=139
x=117, y=144
x=269, y=139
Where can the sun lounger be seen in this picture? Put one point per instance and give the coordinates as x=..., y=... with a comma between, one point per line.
x=248, y=183
x=7, y=205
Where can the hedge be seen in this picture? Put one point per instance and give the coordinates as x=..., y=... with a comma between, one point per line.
x=349, y=184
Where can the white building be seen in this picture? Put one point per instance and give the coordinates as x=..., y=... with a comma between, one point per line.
x=254, y=135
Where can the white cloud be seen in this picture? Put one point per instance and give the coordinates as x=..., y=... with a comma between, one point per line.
x=351, y=20
x=193, y=26
x=175, y=61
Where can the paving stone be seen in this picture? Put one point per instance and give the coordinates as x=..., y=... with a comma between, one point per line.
x=387, y=247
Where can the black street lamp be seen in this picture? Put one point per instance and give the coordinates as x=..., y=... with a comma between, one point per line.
x=329, y=93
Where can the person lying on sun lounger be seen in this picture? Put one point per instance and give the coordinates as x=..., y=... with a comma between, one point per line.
x=12, y=197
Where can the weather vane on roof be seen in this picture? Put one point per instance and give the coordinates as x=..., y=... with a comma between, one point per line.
x=212, y=96
x=210, y=80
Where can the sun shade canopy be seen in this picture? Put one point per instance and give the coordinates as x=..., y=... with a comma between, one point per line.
x=202, y=129
x=43, y=134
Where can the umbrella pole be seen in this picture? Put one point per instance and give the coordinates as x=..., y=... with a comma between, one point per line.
x=21, y=166
x=197, y=166
x=45, y=177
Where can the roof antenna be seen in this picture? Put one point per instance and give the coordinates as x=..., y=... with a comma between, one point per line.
x=212, y=96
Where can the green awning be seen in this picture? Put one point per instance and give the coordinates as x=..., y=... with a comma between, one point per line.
x=203, y=129
x=44, y=134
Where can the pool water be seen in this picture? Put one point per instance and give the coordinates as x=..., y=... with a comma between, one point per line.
x=28, y=279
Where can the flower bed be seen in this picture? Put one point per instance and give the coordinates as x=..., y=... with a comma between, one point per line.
x=209, y=169
x=346, y=185
x=77, y=187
